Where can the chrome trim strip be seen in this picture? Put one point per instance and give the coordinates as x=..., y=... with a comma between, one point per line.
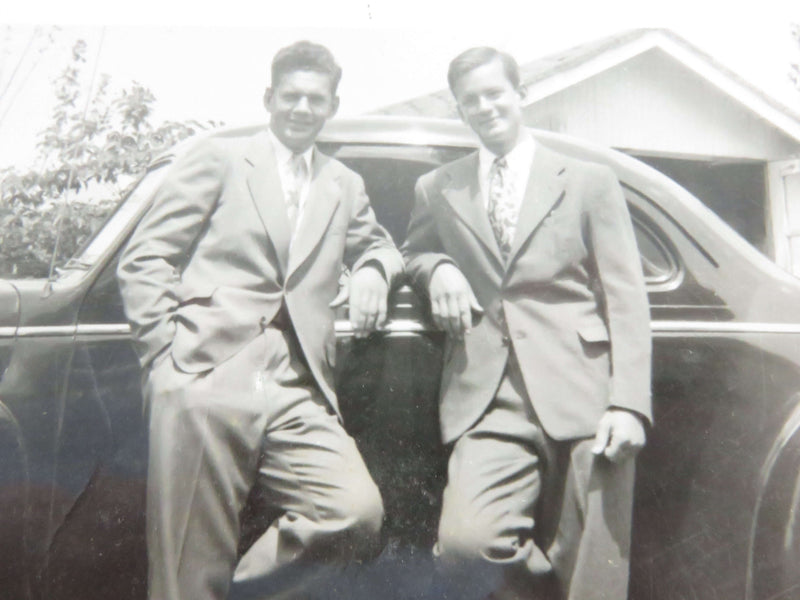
x=402, y=327
x=722, y=327
x=8, y=332
x=46, y=331
x=396, y=327
x=114, y=329
x=342, y=328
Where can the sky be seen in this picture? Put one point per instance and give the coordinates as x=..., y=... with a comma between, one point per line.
x=210, y=61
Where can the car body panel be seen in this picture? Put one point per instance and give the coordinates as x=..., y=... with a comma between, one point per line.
x=726, y=377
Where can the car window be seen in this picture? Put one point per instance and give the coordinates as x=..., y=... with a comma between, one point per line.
x=390, y=187
x=116, y=222
x=658, y=265
x=390, y=173
x=114, y=225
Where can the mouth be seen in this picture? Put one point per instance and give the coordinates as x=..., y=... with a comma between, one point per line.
x=490, y=122
x=300, y=124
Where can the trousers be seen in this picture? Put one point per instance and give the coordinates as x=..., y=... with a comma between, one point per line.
x=526, y=516
x=254, y=424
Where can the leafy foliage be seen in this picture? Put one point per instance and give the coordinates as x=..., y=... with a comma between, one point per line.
x=94, y=148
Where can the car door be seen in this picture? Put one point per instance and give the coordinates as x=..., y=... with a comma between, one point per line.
x=13, y=467
x=87, y=541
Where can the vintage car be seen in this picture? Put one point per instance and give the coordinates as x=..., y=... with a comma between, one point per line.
x=718, y=485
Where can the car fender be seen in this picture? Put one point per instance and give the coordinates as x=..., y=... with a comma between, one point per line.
x=774, y=546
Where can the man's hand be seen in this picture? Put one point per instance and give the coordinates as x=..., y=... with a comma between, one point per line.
x=367, y=293
x=620, y=435
x=452, y=300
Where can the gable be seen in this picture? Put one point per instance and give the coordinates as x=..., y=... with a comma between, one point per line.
x=652, y=103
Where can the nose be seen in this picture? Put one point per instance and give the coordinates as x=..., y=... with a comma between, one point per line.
x=483, y=104
x=302, y=105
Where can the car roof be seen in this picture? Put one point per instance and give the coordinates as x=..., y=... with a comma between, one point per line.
x=395, y=130
x=400, y=130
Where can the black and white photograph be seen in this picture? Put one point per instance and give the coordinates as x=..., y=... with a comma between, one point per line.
x=372, y=300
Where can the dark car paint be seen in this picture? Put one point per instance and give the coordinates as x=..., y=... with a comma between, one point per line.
x=718, y=476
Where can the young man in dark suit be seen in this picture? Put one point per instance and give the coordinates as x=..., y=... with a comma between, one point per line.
x=531, y=265
x=229, y=283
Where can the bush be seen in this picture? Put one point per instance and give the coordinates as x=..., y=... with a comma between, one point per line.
x=90, y=153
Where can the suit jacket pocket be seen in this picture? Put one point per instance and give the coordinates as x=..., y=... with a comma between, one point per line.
x=595, y=343
x=189, y=292
x=211, y=330
x=593, y=332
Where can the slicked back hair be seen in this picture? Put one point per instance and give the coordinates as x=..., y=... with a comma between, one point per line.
x=305, y=56
x=477, y=57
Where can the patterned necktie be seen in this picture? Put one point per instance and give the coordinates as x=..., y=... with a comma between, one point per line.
x=298, y=173
x=501, y=210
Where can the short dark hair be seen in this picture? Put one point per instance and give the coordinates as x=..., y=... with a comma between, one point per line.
x=477, y=57
x=305, y=56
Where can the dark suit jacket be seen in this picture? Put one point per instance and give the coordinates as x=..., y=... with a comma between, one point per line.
x=571, y=299
x=210, y=265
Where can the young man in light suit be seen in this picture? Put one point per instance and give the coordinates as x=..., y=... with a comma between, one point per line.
x=531, y=266
x=229, y=283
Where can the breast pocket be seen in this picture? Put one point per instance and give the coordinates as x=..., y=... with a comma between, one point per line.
x=560, y=232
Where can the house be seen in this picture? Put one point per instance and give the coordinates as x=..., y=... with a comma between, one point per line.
x=655, y=96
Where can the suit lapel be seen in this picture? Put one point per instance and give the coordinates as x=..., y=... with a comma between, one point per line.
x=545, y=188
x=323, y=197
x=463, y=192
x=264, y=184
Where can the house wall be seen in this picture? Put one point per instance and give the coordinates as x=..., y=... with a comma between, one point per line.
x=653, y=103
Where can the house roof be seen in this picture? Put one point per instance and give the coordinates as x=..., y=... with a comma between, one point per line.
x=555, y=72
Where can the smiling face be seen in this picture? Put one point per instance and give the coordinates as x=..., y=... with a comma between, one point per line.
x=299, y=105
x=491, y=105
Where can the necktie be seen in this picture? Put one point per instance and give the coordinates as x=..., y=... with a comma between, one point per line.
x=501, y=211
x=297, y=177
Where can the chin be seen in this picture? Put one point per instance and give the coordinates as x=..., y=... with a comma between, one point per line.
x=495, y=132
x=494, y=140
x=303, y=137
x=299, y=143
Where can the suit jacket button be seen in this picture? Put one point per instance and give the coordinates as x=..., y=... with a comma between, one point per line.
x=263, y=322
x=506, y=340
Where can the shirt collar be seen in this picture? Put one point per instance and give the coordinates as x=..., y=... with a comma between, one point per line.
x=519, y=158
x=284, y=155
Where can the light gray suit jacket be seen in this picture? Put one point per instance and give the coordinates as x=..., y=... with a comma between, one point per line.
x=570, y=300
x=210, y=264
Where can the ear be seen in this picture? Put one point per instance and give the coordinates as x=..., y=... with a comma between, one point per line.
x=522, y=91
x=334, y=106
x=461, y=114
x=267, y=98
